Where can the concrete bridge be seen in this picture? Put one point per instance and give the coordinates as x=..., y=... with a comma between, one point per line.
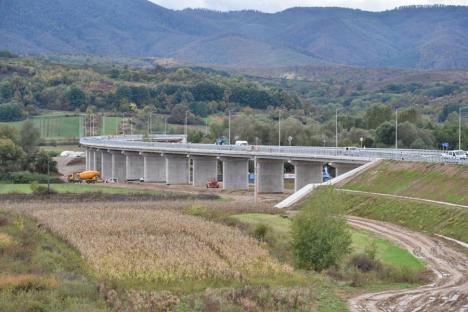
x=127, y=158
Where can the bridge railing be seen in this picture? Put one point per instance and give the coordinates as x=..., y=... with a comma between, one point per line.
x=137, y=143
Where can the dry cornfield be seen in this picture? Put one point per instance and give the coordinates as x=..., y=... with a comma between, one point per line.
x=155, y=242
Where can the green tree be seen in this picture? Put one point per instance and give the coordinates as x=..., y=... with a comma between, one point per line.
x=377, y=114
x=320, y=234
x=11, y=156
x=11, y=112
x=29, y=137
x=76, y=98
x=385, y=133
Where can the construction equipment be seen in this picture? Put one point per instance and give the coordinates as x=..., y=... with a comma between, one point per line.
x=85, y=176
x=212, y=183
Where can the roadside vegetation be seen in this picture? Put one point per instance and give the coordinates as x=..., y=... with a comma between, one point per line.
x=39, y=272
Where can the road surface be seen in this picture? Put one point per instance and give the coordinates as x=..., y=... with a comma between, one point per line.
x=447, y=293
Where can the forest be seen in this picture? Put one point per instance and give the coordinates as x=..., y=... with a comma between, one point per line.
x=428, y=109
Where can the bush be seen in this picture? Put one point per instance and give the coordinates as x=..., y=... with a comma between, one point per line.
x=364, y=263
x=320, y=233
x=196, y=210
x=26, y=177
x=41, y=190
x=27, y=282
x=260, y=231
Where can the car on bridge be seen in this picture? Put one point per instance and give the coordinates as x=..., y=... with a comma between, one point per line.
x=458, y=154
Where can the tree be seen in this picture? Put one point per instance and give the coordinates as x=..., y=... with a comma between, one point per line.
x=385, y=133
x=11, y=156
x=76, y=98
x=320, y=233
x=29, y=137
x=377, y=114
x=11, y=112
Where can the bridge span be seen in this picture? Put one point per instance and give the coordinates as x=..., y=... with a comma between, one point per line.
x=125, y=158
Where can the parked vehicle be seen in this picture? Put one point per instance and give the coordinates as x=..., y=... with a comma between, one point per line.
x=242, y=143
x=85, y=176
x=458, y=154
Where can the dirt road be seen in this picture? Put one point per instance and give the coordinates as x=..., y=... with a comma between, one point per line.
x=447, y=293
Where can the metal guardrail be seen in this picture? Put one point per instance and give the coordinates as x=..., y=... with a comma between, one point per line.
x=360, y=154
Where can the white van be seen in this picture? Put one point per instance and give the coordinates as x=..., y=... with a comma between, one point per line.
x=242, y=143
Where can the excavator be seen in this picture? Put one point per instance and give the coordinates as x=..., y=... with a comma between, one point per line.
x=85, y=176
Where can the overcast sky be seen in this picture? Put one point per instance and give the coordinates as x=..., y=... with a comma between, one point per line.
x=279, y=5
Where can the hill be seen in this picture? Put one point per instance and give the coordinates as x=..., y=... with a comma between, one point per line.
x=411, y=37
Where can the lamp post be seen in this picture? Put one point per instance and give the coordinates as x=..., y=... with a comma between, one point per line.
x=459, y=125
x=165, y=125
x=396, y=128
x=279, y=127
x=229, y=126
x=336, y=126
x=186, y=122
x=361, y=140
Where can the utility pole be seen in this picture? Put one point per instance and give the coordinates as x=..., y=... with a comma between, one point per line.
x=336, y=126
x=103, y=131
x=186, y=123
x=229, y=126
x=165, y=125
x=279, y=127
x=396, y=128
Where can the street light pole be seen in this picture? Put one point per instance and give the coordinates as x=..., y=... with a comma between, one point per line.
x=336, y=126
x=279, y=127
x=165, y=125
x=396, y=128
x=186, y=121
x=460, y=109
x=229, y=126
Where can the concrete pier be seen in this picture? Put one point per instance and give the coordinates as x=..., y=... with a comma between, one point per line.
x=106, y=165
x=177, y=169
x=154, y=168
x=341, y=168
x=97, y=160
x=134, y=166
x=270, y=175
x=235, y=173
x=89, y=159
x=119, y=168
x=204, y=168
x=307, y=172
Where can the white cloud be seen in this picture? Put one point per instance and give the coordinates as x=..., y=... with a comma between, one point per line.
x=279, y=5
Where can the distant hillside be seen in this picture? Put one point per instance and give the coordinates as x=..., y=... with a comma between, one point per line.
x=423, y=37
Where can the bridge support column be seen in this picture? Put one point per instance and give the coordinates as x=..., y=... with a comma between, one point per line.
x=307, y=172
x=106, y=165
x=270, y=175
x=89, y=159
x=177, y=169
x=204, y=168
x=119, y=168
x=154, y=168
x=235, y=173
x=134, y=166
x=97, y=160
x=342, y=168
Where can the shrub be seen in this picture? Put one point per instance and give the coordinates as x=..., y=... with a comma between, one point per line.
x=4, y=221
x=364, y=263
x=27, y=282
x=260, y=231
x=196, y=210
x=26, y=177
x=6, y=241
x=41, y=190
x=320, y=233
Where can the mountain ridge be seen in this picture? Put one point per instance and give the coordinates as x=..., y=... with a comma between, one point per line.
x=415, y=37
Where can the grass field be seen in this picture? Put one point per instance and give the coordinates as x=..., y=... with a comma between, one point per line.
x=75, y=188
x=440, y=182
x=425, y=217
x=42, y=273
x=387, y=252
x=60, y=127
